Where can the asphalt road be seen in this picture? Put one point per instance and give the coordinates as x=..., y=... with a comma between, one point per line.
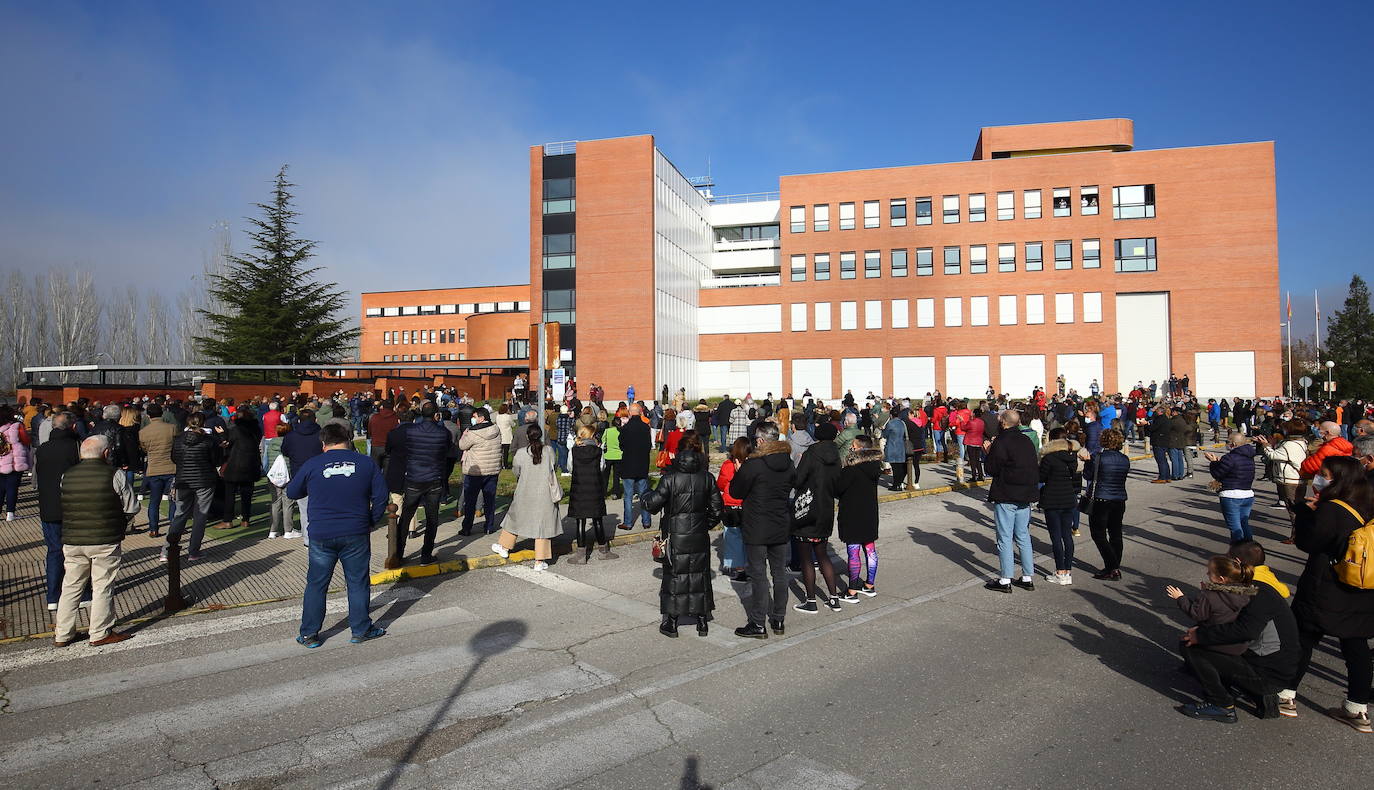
x=507, y=678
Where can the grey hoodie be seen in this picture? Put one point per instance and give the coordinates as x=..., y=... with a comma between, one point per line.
x=800, y=441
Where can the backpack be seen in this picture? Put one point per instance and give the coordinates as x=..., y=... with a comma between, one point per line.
x=1356, y=568
x=5, y=447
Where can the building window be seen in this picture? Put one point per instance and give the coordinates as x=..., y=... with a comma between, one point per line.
x=871, y=213
x=560, y=306
x=1006, y=310
x=925, y=313
x=410, y=310
x=518, y=348
x=952, y=262
x=798, y=268
x=822, y=262
x=462, y=335
x=1092, y=307
x=1063, y=308
x=467, y=308
x=954, y=311
x=798, y=219
x=799, y=317
x=896, y=212
x=873, y=264
x=847, y=265
x=448, y=309
x=747, y=232
x=386, y=338
x=1035, y=259
x=560, y=251
x=1135, y=255
x=1006, y=205
x=1030, y=204
x=951, y=209
x=1092, y=251
x=1087, y=201
x=1006, y=257
x=1134, y=202
x=978, y=259
x=977, y=208
x=925, y=262
x=1061, y=202
x=977, y=311
x=846, y=216
x=820, y=216
x=431, y=336
x=899, y=263
x=900, y=314
x=373, y=312
x=560, y=195
x=1035, y=308
x=873, y=314
x=1063, y=255
x=923, y=211
x=822, y=316
x=391, y=312
x=849, y=315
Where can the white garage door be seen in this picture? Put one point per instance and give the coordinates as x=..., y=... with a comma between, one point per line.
x=813, y=374
x=1142, y=339
x=1022, y=373
x=740, y=377
x=913, y=377
x=966, y=377
x=1223, y=374
x=1079, y=370
x=765, y=376
x=862, y=375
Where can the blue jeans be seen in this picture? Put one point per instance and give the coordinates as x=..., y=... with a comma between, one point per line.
x=9, y=489
x=723, y=437
x=354, y=552
x=1162, y=462
x=1236, y=512
x=1013, y=527
x=1180, y=466
x=560, y=450
x=158, y=487
x=634, y=489
x=939, y=438
x=485, y=486
x=1059, y=522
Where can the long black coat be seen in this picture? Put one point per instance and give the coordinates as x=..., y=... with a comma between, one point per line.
x=635, y=442
x=587, y=494
x=816, y=472
x=1322, y=602
x=243, y=463
x=52, y=459
x=691, y=505
x=856, y=490
x=1060, y=475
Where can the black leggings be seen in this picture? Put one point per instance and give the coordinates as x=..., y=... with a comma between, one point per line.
x=1104, y=520
x=600, y=533
x=975, y=460
x=898, y=474
x=613, y=477
x=244, y=492
x=1359, y=672
x=806, y=552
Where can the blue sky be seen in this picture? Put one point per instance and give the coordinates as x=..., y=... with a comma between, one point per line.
x=133, y=127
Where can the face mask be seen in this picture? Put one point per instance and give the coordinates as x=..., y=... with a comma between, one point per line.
x=1319, y=482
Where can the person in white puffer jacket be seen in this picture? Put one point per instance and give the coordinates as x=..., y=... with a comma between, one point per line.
x=1287, y=458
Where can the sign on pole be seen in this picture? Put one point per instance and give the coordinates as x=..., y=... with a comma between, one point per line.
x=1305, y=381
x=560, y=382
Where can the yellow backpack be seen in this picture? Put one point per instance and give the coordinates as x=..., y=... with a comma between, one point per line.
x=1356, y=568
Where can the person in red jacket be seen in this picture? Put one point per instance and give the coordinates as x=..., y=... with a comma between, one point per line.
x=1334, y=445
x=939, y=421
x=733, y=559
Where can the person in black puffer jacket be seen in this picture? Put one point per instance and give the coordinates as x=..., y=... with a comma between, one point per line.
x=586, y=497
x=691, y=505
x=764, y=484
x=242, y=466
x=1061, y=481
x=856, y=490
x=816, y=475
x=1108, y=470
x=1012, y=463
x=197, y=458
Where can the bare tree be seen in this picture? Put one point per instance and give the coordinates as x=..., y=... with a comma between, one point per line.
x=75, y=311
x=122, y=330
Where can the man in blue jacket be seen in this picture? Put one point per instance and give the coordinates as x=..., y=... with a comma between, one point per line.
x=347, y=496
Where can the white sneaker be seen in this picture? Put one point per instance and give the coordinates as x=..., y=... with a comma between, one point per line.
x=497, y=548
x=271, y=535
x=84, y=605
x=540, y=565
x=52, y=607
x=9, y=516
x=1067, y=579
x=291, y=534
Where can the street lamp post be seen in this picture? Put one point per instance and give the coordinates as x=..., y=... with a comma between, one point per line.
x=1330, y=388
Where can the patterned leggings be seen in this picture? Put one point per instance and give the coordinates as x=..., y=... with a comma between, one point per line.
x=856, y=560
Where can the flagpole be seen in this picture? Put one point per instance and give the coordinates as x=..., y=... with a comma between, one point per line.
x=1288, y=325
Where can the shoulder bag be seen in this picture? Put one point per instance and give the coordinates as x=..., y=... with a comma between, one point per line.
x=1085, y=502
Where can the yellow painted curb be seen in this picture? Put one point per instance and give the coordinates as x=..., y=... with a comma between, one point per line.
x=466, y=564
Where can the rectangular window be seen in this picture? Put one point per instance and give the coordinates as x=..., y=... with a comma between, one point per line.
x=900, y=317
x=560, y=251
x=896, y=212
x=1062, y=208
x=954, y=311
x=518, y=348
x=923, y=211
x=977, y=311
x=951, y=209
x=1092, y=307
x=847, y=265
x=1135, y=255
x=1063, y=308
x=405, y=338
x=871, y=213
x=1030, y=204
x=798, y=268
x=1035, y=308
x=1133, y=202
x=462, y=335
x=448, y=309
x=522, y=307
x=1006, y=205
x=1063, y=255
x=410, y=310
x=560, y=195
x=846, y=216
x=486, y=307
x=925, y=313
x=822, y=316
x=1092, y=254
x=873, y=314
x=899, y=263
x=873, y=264
x=390, y=312
x=952, y=262
x=977, y=207
x=797, y=215
x=799, y=318
x=820, y=216
x=1035, y=260
x=822, y=264
x=559, y=306
x=1087, y=201
x=467, y=308
x=386, y=338
x=925, y=262
x=373, y=312
x=1006, y=310
x=1006, y=257
x=431, y=336
x=978, y=259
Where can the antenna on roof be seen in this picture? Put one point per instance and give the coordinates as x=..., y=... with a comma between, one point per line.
x=704, y=184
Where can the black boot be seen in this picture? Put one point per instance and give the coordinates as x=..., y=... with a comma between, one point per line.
x=703, y=628
x=752, y=631
x=668, y=627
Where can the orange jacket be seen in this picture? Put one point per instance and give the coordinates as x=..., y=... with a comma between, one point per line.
x=1331, y=447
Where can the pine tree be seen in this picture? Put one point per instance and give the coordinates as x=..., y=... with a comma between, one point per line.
x=1350, y=343
x=271, y=310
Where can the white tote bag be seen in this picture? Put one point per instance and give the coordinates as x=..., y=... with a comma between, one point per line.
x=279, y=475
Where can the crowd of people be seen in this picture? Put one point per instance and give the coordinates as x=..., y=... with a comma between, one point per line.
x=789, y=474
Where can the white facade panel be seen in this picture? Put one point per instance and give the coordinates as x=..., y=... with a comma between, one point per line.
x=1035, y=308
x=849, y=315
x=813, y=375
x=757, y=212
x=1006, y=310
x=925, y=312
x=966, y=377
x=977, y=311
x=912, y=377
x=713, y=378
x=1223, y=374
x=873, y=314
x=822, y=316
x=799, y=318
x=861, y=376
x=1022, y=373
x=1063, y=308
x=900, y=314
x=739, y=319
x=1079, y=371
x=740, y=377
x=954, y=311
x=682, y=258
x=1142, y=339
x=1092, y=307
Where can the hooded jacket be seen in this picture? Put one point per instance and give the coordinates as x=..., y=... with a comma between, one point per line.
x=301, y=444
x=816, y=474
x=764, y=483
x=1288, y=458
x=481, y=446
x=894, y=450
x=1333, y=446
x=1268, y=625
x=691, y=505
x=800, y=440
x=1060, y=477
x=856, y=490
x=1216, y=604
x=17, y=459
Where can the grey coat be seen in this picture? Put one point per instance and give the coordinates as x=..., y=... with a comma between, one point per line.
x=532, y=512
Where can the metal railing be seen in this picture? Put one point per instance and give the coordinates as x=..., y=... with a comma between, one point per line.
x=747, y=197
x=564, y=147
x=741, y=280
